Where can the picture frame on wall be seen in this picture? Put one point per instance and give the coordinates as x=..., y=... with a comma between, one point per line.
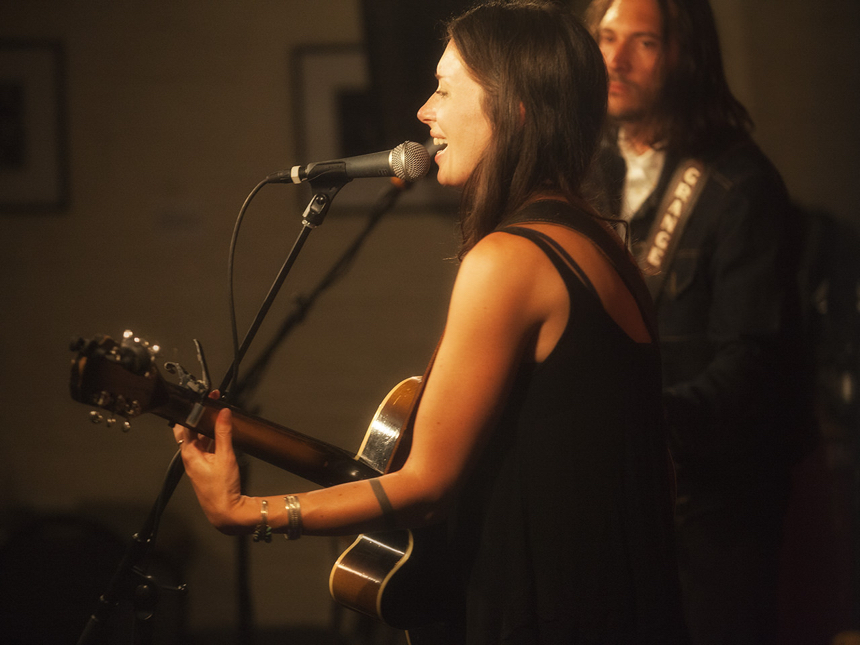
x=34, y=174
x=335, y=117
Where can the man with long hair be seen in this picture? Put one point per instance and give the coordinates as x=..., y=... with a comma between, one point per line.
x=711, y=225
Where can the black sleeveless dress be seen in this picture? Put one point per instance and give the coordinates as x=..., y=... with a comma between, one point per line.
x=563, y=533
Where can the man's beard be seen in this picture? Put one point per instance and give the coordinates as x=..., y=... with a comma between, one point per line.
x=641, y=110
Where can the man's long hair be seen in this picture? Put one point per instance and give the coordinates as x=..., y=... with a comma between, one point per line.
x=545, y=88
x=697, y=111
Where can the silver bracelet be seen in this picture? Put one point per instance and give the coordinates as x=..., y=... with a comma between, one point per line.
x=294, y=517
x=263, y=532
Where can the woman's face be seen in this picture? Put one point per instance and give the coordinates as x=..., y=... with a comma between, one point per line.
x=456, y=119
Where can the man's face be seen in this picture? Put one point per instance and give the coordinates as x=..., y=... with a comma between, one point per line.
x=630, y=36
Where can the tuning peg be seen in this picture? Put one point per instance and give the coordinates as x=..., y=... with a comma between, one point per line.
x=102, y=399
x=96, y=417
x=132, y=409
x=130, y=338
x=126, y=426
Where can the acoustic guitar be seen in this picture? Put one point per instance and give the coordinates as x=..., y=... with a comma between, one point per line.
x=394, y=576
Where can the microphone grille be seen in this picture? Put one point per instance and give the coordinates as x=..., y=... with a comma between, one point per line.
x=410, y=161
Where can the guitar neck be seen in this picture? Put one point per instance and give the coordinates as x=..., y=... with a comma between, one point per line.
x=309, y=458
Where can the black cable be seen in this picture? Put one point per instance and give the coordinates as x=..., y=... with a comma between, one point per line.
x=254, y=374
x=234, y=331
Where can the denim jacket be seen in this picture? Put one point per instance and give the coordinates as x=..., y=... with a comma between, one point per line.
x=735, y=369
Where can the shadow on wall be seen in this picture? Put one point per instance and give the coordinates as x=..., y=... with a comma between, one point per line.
x=56, y=568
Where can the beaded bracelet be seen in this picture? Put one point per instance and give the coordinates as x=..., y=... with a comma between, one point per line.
x=294, y=517
x=263, y=531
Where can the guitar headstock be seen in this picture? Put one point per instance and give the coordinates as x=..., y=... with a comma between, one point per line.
x=120, y=377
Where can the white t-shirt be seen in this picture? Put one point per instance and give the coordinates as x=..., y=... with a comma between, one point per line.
x=643, y=173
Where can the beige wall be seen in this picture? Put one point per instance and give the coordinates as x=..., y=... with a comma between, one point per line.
x=176, y=110
x=794, y=64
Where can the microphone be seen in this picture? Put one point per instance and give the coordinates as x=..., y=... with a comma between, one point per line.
x=408, y=161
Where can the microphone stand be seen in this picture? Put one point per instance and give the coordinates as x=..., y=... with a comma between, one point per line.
x=130, y=579
x=131, y=570
x=324, y=192
x=252, y=375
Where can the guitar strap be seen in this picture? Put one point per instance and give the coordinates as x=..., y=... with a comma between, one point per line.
x=671, y=218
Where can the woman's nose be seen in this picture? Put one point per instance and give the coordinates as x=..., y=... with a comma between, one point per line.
x=426, y=112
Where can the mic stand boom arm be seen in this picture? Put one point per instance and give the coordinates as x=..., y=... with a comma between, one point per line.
x=252, y=375
x=324, y=192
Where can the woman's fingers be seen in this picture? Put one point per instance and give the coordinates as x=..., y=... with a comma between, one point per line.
x=223, y=447
x=183, y=435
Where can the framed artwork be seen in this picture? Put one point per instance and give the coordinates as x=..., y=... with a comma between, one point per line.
x=332, y=120
x=33, y=154
x=336, y=118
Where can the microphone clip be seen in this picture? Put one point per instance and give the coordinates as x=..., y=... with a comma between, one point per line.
x=324, y=191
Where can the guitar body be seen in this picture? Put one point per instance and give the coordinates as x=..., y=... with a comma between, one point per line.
x=398, y=577
x=394, y=576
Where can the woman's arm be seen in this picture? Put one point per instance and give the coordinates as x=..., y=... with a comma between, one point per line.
x=505, y=292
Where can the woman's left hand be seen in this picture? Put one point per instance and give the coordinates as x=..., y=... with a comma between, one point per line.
x=211, y=466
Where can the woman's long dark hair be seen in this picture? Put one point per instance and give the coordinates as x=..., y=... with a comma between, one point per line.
x=697, y=111
x=545, y=87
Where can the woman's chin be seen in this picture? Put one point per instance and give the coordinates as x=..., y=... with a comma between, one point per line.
x=446, y=179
